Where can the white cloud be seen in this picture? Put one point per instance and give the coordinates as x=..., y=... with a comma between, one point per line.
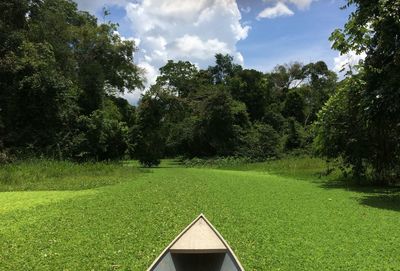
x=132, y=97
x=150, y=70
x=185, y=30
x=280, y=9
x=94, y=6
x=301, y=4
x=197, y=48
x=245, y=9
x=179, y=30
x=135, y=40
x=347, y=61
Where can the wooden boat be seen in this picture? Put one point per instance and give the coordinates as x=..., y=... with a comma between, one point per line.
x=199, y=247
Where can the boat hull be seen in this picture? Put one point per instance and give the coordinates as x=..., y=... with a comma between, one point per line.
x=197, y=262
x=199, y=247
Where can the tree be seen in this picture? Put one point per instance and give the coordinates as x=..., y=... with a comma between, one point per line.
x=338, y=130
x=374, y=28
x=213, y=127
x=103, y=136
x=286, y=77
x=58, y=67
x=251, y=88
x=293, y=140
x=259, y=142
x=38, y=101
x=179, y=76
x=294, y=106
x=224, y=68
x=62, y=73
x=318, y=85
x=149, y=139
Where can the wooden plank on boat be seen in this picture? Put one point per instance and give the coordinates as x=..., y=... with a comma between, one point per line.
x=199, y=247
x=199, y=238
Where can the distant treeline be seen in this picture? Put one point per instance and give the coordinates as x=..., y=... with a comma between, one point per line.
x=62, y=74
x=227, y=110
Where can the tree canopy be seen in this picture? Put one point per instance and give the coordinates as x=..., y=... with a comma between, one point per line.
x=59, y=69
x=361, y=123
x=62, y=74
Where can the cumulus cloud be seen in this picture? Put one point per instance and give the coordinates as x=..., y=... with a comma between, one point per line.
x=185, y=30
x=301, y=4
x=346, y=62
x=179, y=30
x=132, y=97
x=196, y=47
x=280, y=9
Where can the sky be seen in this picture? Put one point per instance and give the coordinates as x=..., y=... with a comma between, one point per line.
x=260, y=34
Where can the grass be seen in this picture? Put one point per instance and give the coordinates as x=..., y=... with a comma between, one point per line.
x=303, y=167
x=53, y=175
x=272, y=219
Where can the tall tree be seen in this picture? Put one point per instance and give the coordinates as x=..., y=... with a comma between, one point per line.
x=285, y=77
x=57, y=64
x=252, y=88
x=374, y=28
x=149, y=140
x=294, y=106
x=318, y=84
x=178, y=75
x=224, y=68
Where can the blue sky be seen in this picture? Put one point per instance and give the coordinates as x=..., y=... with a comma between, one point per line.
x=260, y=34
x=301, y=37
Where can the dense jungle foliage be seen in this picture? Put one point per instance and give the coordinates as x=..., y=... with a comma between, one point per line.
x=62, y=75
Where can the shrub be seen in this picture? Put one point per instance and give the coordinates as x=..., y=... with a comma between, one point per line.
x=216, y=162
x=260, y=142
x=5, y=157
x=293, y=140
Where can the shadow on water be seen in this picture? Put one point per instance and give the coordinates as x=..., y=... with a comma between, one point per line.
x=387, y=198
